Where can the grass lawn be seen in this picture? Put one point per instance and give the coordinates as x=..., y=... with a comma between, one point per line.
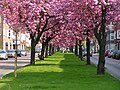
x=59, y=72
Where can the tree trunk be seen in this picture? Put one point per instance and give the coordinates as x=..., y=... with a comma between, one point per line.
x=58, y=48
x=43, y=50
x=71, y=48
x=53, y=50
x=80, y=51
x=102, y=43
x=16, y=50
x=101, y=62
x=50, y=47
x=46, y=52
x=88, y=50
x=32, y=61
x=76, y=49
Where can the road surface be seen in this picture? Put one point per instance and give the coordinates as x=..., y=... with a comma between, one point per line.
x=7, y=66
x=112, y=65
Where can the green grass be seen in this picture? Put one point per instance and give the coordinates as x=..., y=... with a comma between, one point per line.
x=59, y=72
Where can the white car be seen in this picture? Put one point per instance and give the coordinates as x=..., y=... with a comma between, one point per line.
x=3, y=55
x=11, y=53
x=24, y=52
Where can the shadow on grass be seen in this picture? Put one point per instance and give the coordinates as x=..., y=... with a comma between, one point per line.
x=58, y=72
x=44, y=65
x=49, y=60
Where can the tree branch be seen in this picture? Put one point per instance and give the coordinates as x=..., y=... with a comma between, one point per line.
x=52, y=26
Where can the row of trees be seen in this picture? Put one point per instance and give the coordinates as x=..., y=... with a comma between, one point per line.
x=62, y=22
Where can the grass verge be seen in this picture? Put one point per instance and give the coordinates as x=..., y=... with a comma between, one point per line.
x=59, y=72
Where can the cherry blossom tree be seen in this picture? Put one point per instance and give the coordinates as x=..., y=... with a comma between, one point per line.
x=64, y=39
x=94, y=15
x=33, y=16
x=46, y=38
x=39, y=16
x=29, y=15
x=97, y=14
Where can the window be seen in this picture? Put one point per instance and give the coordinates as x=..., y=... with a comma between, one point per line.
x=6, y=46
x=112, y=37
x=10, y=46
x=118, y=33
x=9, y=34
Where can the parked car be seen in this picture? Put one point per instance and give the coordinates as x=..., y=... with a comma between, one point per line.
x=114, y=53
x=110, y=53
x=37, y=50
x=106, y=52
x=3, y=55
x=19, y=53
x=11, y=53
x=117, y=55
x=24, y=52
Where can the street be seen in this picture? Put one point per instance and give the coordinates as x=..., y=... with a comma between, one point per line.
x=7, y=66
x=112, y=65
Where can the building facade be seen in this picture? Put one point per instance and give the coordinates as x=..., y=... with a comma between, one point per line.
x=1, y=32
x=8, y=37
x=117, y=35
x=110, y=44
